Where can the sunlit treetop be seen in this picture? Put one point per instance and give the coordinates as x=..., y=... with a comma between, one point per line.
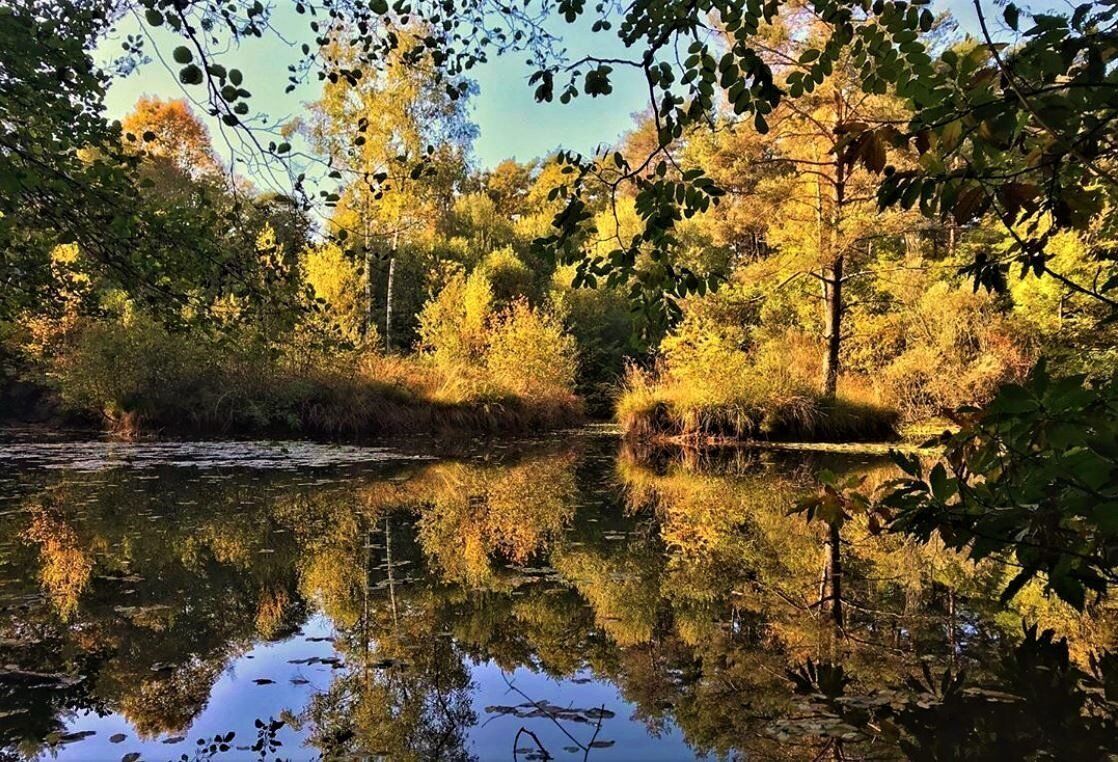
x=1022, y=129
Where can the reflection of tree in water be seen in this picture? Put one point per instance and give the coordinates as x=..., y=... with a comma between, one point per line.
x=689, y=587
x=404, y=697
x=176, y=580
x=745, y=597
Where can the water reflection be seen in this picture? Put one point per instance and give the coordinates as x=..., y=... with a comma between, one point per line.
x=565, y=599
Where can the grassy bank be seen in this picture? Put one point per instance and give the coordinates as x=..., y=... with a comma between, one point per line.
x=799, y=419
x=134, y=376
x=658, y=407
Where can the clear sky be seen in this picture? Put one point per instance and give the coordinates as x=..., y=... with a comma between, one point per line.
x=511, y=123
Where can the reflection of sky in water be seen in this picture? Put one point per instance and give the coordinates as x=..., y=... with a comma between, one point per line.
x=235, y=701
x=630, y=740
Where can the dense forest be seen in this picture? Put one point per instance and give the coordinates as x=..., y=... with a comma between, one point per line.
x=153, y=283
x=833, y=221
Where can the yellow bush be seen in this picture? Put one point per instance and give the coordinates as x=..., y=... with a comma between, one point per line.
x=452, y=326
x=959, y=347
x=715, y=379
x=529, y=354
x=481, y=352
x=335, y=280
x=507, y=274
x=706, y=361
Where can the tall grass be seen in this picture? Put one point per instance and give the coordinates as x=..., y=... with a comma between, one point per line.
x=711, y=383
x=140, y=378
x=650, y=407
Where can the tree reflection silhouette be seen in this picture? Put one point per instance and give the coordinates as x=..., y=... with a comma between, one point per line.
x=681, y=580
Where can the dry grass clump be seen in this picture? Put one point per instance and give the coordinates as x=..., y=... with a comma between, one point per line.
x=708, y=386
x=649, y=408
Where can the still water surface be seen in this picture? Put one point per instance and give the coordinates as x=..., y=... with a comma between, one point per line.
x=566, y=599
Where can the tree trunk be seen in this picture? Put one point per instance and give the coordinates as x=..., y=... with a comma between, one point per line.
x=952, y=630
x=832, y=325
x=388, y=564
x=832, y=278
x=370, y=321
x=388, y=292
x=830, y=584
x=388, y=307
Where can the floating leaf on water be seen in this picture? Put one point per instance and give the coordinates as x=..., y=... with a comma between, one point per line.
x=174, y=739
x=263, y=681
x=117, y=737
x=76, y=736
x=131, y=756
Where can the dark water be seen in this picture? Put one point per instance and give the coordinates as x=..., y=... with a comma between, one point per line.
x=564, y=599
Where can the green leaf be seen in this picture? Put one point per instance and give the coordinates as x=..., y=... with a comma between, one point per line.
x=190, y=75
x=182, y=55
x=1012, y=16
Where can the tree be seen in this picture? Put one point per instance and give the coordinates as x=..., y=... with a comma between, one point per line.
x=818, y=182
x=169, y=130
x=400, y=142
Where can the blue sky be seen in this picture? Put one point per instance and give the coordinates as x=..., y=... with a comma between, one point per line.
x=510, y=122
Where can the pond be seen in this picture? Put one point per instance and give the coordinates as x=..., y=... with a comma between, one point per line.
x=566, y=598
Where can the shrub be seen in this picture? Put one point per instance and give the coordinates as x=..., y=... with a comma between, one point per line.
x=508, y=276
x=529, y=354
x=140, y=377
x=715, y=380
x=959, y=347
x=337, y=282
x=452, y=326
x=132, y=369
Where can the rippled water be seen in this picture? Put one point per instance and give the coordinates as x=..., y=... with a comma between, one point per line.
x=569, y=599
x=100, y=456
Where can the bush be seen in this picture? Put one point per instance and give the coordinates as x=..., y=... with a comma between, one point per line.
x=508, y=276
x=337, y=282
x=715, y=381
x=133, y=369
x=481, y=352
x=529, y=354
x=453, y=325
x=959, y=347
x=141, y=377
